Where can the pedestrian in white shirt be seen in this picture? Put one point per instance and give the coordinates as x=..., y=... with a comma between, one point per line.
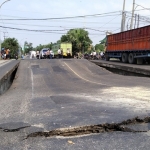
x=51, y=54
x=59, y=53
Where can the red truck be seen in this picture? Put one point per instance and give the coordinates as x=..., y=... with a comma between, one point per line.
x=132, y=46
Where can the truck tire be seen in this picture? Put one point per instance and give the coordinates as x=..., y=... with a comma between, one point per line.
x=124, y=57
x=131, y=58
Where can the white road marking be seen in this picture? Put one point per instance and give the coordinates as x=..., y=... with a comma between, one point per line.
x=84, y=78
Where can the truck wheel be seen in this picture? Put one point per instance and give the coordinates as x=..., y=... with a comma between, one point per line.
x=124, y=57
x=131, y=58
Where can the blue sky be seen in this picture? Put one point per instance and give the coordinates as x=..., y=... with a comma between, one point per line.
x=109, y=20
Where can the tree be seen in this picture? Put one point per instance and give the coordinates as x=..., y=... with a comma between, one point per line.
x=12, y=44
x=27, y=47
x=79, y=39
x=64, y=38
x=99, y=47
x=103, y=41
x=40, y=47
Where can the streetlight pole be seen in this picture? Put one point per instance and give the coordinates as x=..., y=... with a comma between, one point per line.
x=0, y=31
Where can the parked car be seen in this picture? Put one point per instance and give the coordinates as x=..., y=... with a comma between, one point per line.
x=43, y=53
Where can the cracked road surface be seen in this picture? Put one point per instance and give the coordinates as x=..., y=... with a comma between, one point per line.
x=74, y=104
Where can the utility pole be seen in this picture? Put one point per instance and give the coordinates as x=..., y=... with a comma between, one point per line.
x=135, y=21
x=127, y=27
x=138, y=21
x=131, y=26
x=4, y=35
x=123, y=18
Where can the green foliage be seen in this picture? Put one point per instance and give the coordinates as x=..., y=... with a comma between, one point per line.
x=103, y=41
x=79, y=39
x=99, y=47
x=12, y=44
x=64, y=38
x=40, y=47
x=27, y=47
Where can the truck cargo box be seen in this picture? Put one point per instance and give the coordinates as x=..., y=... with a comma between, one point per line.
x=134, y=42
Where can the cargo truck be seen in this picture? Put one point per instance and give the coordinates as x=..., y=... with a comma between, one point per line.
x=132, y=46
x=66, y=49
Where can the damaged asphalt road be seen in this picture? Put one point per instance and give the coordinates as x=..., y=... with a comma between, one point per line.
x=26, y=133
x=124, y=126
x=28, y=136
x=95, y=129
x=74, y=104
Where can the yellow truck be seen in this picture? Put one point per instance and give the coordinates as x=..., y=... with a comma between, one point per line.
x=66, y=49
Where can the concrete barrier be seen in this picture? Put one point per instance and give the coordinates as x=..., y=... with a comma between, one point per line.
x=7, y=74
x=139, y=69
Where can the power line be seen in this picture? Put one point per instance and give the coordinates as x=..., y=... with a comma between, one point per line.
x=94, y=15
x=142, y=19
x=23, y=18
x=94, y=29
x=49, y=25
x=44, y=31
x=109, y=21
x=29, y=29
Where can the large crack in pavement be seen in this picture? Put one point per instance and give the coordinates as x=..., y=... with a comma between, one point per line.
x=94, y=129
x=129, y=125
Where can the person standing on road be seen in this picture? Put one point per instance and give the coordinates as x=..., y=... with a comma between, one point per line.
x=7, y=53
x=3, y=54
x=68, y=53
x=59, y=53
x=22, y=56
x=45, y=55
x=48, y=54
x=16, y=56
x=51, y=54
x=94, y=55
